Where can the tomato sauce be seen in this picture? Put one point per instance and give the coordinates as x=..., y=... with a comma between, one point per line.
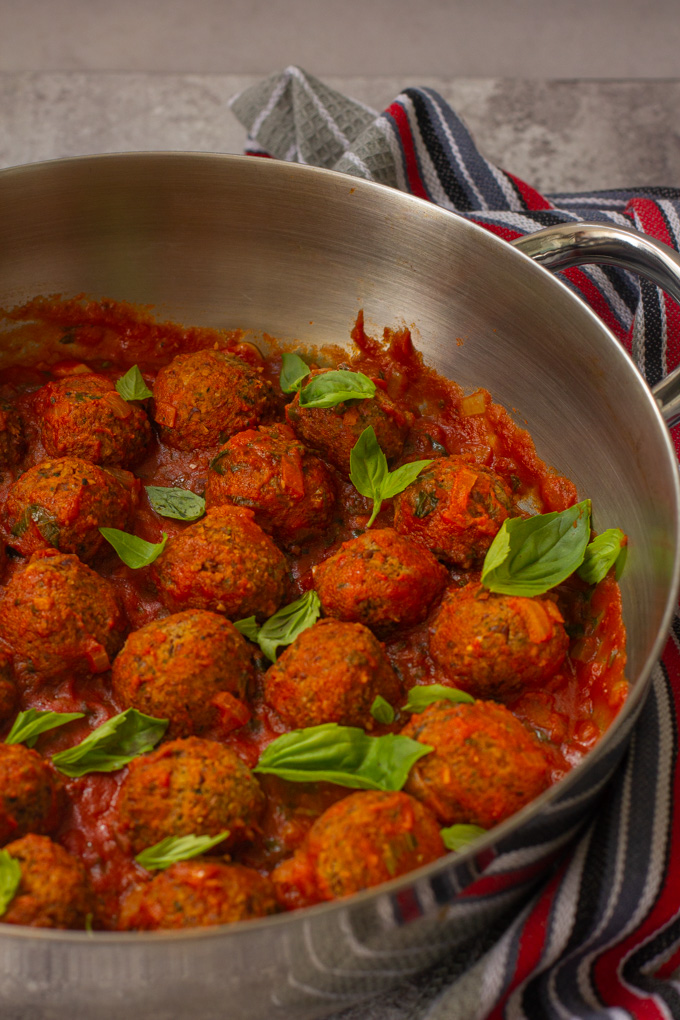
x=53, y=337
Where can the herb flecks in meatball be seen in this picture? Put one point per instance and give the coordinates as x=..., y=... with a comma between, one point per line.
x=485, y=765
x=198, y=893
x=62, y=503
x=224, y=563
x=185, y=787
x=60, y=618
x=31, y=794
x=454, y=509
x=267, y=469
x=85, y=416
x=54, y=891
x=332, y=672
x=191, y=668
x=334, y=431
x=380, y=579
x=495, y=646
x=363, y=840
x=203, y=398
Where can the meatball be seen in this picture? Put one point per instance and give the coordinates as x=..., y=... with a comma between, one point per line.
x=290, y=490
x=361, y=841
x=380, y=579
x=333, y=431
x=60, y=618
x=8, y=692
x=12, y=443
x=54, y=890
x=485, y=765
x=189, y=668
x=332, y=672
x=31, y=794
x=225, y=563
x=199, y=892
x=185, y=787
x=454, y=509
x=63, y=503
x=85, y=416
x=203, y=398
x=496, y=645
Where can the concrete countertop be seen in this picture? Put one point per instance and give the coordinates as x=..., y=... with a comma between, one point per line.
x=557, y=135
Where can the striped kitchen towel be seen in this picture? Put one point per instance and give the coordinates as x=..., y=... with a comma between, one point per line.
x=601, y=937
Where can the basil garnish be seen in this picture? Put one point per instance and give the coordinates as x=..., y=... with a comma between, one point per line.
x=44, y=521
x=112, y=745
x=293, y=371
x=30, y=724
x=602, y=553
x=331, y=388
x=529, y=557
x=10, y=876
x=370, y=475
x=131, y=386
x=381, y=710
x=134, y=552
x=420, y=697
x=457, y=837
x=180, y=504
x=284, y=626
x=177, y=848
x=344, y=755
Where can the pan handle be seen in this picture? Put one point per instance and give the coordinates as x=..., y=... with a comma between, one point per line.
x=576, y=244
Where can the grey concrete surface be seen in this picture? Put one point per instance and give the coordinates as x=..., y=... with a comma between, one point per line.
x=557, y=135
x=447, y=38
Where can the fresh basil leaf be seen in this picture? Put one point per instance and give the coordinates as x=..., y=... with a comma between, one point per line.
x=177, y=848
x=529, y=557
x=131, y=386
x=10, y=876
x=180, y=504
x=293, y=371
x=601, y=554
x=331, y=388
x=134, y=552
x=344, y=755
x=30, y=724
x=381, y=710
x=419, y=698
x=457, y=837
x=248, y=628
x=285, y=625
x=112, y=745
x=370, y=475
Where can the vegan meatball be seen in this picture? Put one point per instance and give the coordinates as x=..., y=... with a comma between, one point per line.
x=332, y=672
x=188, y=668
x=454, y=509
x=60, y=618
x=203, y=398
x=361, y=841
x=85, y=416
x=496, y=645
x=54, y=890
x=185, y=787
x=485, y=765
x=267, y=469
x=31, y=794
x=198, y=893
x=7, y=687
x=380, y=579
x=12, y=443
x=224, y=563
x=63, y=503
x=334, y=431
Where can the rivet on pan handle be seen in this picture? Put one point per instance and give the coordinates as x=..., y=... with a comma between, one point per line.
x=576, y=244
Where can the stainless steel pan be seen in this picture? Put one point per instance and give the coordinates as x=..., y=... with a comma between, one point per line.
x=296, y=252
